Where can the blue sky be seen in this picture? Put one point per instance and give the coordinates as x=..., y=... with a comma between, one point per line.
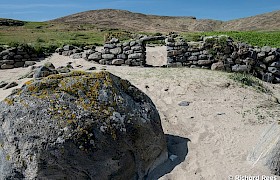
x=35, y=10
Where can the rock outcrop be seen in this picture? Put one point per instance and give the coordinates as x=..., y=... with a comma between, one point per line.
x=267, y=151
x=83, y=125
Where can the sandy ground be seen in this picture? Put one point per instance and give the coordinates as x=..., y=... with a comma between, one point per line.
x=215, y=132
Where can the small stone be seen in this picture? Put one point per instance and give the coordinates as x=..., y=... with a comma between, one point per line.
x=270, y=59
x=10, y=85
x=219, y=66
x=184, y=103
x=92, y=68
x=29, y=63
x=117, y=62
x=3, y=84
x=7, y=66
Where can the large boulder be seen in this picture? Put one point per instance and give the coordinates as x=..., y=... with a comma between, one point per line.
x=267, y=150
x=79, y=126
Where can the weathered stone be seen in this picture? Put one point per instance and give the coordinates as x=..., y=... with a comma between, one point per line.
x=68, y=48
x=184, y=103
x=8, y=62
x=117, y=50
x=114, y=40
x=204, y=62
x=170, y=44
x=29, y=63
x=181, y=58
x=122, y=56
x=95, y=56
x=108, y=56
x=43, y=71
x=274, y=70
x=7, y=66
x=86, y=126
x=21, y=52
x=76, y=56
x=63, y=69
x=249, y=61
x=18, y=57
x=117, y=62
x=261, y=55
x=192, y=58
x=75, y=51
x=11, y=85
x=269, y=59
x=57, y=50
x=3, y=84
x=26, y=56
x=136, y=48
x=132, y=43
x=253, y=54
x=174, y=53
x=276, y=80
x=268, y=77
x=11, y=54
x=67, y=53
x=202, y=57
x=275, y=64
x=266, y=49
x=135, y=56
x=219, y=66
x=102, y=61
x=110, y=46
x=176, y=64
x=227, y=50
x=229, y=61
x=126, y=44
x=19, y=64
x=194, y=66
x=128, y=52
x=170, y=60
x=195, y=53
x=126, y=48
x=241, y=68
x=234, y=55
x=205, y=67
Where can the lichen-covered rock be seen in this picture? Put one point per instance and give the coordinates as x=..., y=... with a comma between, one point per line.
x=79, y=126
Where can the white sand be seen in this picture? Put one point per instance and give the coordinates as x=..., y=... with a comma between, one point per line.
x=223, y=120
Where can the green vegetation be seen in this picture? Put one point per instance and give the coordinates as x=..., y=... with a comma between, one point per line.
x=46, y=35
x=252, y=37
x=249, y=80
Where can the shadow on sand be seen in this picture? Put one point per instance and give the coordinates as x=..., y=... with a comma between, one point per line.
x=177, y=146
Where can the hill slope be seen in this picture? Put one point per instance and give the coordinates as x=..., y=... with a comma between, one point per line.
x=269, y=22
x=120, y=19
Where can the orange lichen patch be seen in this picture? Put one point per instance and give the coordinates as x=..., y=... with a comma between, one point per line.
x=29, y=82
x=9, y=101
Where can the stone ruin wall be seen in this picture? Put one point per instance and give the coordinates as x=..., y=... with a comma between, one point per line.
x=14, y=57
x=131, y=53
x=215, y=53
x=222, y=53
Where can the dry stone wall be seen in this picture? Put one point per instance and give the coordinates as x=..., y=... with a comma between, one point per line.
x=15, y=57
x=222, y=53
x=131, y=53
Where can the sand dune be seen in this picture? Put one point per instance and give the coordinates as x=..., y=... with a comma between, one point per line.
x=213, y=135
